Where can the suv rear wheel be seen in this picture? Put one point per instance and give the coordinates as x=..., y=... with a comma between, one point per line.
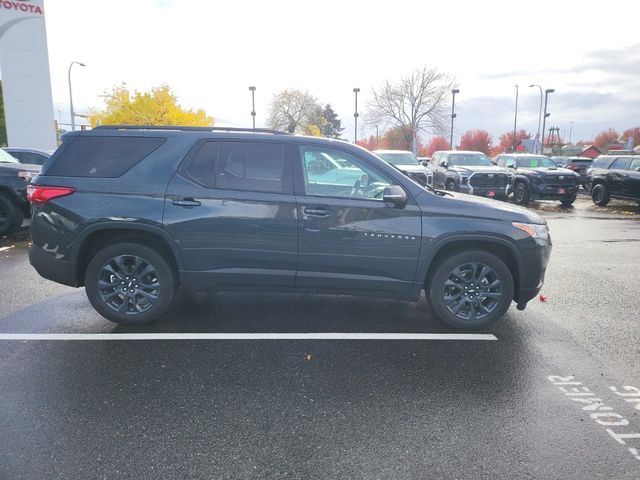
x=11, y=216
x=600, y=195
x=471, y=290
x=129, y=283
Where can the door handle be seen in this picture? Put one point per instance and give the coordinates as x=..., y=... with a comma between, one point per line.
x=186, y=202
x=316, y=212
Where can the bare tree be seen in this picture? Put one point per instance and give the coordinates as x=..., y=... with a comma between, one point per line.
x=419, y=102
x=291, y=110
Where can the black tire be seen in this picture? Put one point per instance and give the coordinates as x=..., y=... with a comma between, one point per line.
x=466, y=293
x=567, y=202
x=521, y=193
x=600, y=195
x=11, y=215
x=117, y=269
x=451, y=185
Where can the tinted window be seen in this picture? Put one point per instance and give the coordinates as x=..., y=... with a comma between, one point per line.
x=535, y=161
x=252, y=166
x=635, y=165
x=29, y=157
x=602, y=162
x=103, y=157
x=203, y=165
x=620, y=164
x=400, y=158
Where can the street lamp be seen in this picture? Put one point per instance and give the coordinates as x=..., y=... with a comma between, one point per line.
x=253, y=105
x=73, y=114
x=453, y=115
x=355, y=117
x=544, y=118
x=515, y=121
x=540, y=110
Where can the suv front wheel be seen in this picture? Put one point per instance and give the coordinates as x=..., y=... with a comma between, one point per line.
x=471, y=290
x=129, y=283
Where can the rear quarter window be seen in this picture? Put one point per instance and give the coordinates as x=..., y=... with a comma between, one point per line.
x=102, y=157
x=603, y=162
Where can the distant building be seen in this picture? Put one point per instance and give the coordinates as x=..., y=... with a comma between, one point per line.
x=590, y=151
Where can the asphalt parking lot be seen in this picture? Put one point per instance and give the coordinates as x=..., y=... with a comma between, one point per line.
x=554, y=393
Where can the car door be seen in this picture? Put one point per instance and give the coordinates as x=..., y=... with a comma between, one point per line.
x=439, y=173
x=349, y=238
x=632, y=181
x=616, y=175
x=232, y=213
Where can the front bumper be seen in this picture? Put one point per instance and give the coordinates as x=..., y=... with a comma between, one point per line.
x=491, y=192
x=554, y=192
x=535, y=260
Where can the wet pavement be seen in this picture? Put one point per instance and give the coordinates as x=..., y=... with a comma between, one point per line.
x=557, y=395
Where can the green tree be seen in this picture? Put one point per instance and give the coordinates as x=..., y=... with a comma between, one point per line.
x=157, y=107
x=332, y=125
x=3, y=125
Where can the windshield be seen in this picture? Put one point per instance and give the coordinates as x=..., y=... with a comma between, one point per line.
x=535, y=162
x=6, y=158
x=400, y=158
x=469, y=160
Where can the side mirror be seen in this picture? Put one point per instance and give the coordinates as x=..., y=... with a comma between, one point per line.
x=511, y=165
x=425, y=163
x=443, y=163
x=395, y=195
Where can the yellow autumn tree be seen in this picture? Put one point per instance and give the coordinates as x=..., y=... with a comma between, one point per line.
x=157, y=107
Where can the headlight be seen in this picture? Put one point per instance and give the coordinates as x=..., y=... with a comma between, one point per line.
x=535, y=230
x=464, y=179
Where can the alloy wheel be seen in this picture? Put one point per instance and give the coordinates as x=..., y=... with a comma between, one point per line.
x=472, y=291
x=128, y=284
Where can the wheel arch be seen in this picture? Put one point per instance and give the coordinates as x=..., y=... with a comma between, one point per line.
x=93, y=239
x=501, y=248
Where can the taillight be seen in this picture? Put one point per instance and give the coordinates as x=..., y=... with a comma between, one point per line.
x=42, y=193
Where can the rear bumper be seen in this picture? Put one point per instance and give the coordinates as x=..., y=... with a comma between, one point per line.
x=52, y=268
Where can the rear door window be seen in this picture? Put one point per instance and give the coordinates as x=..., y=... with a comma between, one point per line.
x=251, y=166
x=102, y=157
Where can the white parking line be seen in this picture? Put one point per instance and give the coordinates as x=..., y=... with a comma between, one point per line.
x=245, y=336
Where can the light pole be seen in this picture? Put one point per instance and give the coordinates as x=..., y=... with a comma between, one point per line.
x=73, y=114
x=544, y=118
x=570, y=130
x=515, y=121
x=355, y=117
x=540, y=111
x=253, y=105
x=453, y=114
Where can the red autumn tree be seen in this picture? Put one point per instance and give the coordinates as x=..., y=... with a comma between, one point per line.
x=436, y=144
x=370, y=144
x=506, y=141
x=397, y=138
x=632, y=132
x=605, y=138
x=477, y=140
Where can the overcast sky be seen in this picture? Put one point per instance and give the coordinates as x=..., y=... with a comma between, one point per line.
x=209, y=52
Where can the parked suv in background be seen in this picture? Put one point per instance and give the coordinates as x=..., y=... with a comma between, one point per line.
x=136, y=213
x=469, y=172
x=537, y=177
x=405, y=162
x=580, y=165
x=14, y=178
x=28, y=155
x=614, y=176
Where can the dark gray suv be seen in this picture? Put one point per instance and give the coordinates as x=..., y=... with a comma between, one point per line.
x=136, y=213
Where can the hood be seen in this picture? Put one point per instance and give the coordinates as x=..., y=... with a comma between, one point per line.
x=412, y=168
x=478, y=169
x=453, y=203
x=548, y=171
x=20, y=167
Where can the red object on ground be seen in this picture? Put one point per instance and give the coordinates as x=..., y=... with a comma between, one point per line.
x=543, y=298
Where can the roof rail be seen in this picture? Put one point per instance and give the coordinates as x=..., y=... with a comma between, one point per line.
x=189, y=129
